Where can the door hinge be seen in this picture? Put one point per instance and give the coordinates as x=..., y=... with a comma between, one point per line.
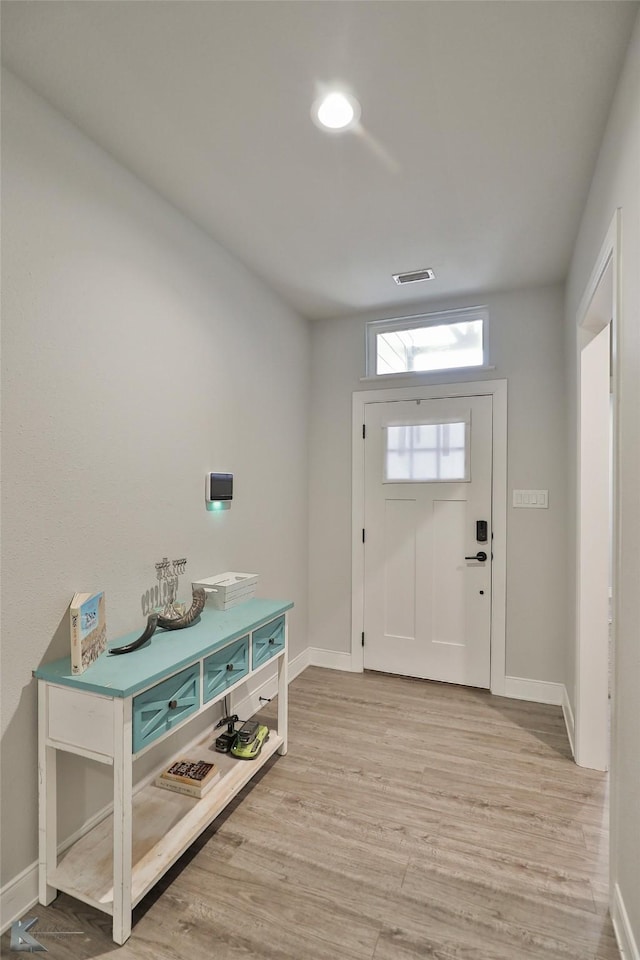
x=363, y=638
x=363, y=535
x=364, y=431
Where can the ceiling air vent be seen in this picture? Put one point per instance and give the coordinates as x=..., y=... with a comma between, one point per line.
x=414, y=276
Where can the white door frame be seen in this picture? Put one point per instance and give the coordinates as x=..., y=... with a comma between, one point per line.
x=597, y=311
x=498, y=390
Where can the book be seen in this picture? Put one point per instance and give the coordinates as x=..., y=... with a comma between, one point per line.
x=193, y=772
x=193, y=778
x=184, y=788
x=88, y=630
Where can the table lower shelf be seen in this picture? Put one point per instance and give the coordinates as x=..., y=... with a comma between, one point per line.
x=165, y=824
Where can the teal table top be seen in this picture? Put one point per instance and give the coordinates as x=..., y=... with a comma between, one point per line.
x=166, y=653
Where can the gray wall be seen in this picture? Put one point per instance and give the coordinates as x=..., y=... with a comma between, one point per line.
x=616, y=184
x=137, y=355
x=526, y=349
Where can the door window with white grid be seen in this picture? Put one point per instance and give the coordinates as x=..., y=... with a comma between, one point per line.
x=427, y=452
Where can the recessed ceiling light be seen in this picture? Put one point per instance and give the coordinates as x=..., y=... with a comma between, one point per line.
x=336, y=111
x=414, y=276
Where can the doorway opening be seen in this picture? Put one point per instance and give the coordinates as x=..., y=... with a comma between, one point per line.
x=596, y=510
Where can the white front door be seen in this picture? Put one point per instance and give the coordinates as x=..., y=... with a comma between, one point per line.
x=427, y=588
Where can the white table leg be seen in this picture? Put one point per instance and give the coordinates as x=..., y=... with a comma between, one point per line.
x=122, y=820
x=283, y=693
x=47, y=802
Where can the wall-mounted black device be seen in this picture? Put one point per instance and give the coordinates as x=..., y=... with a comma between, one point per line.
x=219, y=486
x=481, y=531
x=218, y=490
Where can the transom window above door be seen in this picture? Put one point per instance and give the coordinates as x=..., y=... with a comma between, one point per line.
x=432, y=342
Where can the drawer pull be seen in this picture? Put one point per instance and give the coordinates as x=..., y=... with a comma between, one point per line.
x=173, y=704
x=272, y=640
x=229, y=666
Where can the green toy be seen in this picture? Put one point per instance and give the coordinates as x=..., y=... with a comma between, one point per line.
x=250, y=750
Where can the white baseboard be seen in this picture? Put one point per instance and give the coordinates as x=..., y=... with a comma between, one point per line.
x=298, y=664
x=539, y=691
x=21, y=894
x=622, y=926
x=18, y=896
x=330, y=659
x=569, y=721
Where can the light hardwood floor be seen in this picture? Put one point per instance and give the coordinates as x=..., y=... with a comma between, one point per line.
x=409, y=820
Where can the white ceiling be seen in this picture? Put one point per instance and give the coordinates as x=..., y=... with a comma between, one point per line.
x=481, y=123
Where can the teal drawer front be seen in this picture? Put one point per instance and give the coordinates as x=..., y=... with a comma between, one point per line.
x=163, y=707
x=224, y=668
x=267, y=641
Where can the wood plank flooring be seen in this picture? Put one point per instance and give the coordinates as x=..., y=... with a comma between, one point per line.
x=408, y=820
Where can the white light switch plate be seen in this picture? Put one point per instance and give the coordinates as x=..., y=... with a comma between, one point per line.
x=536, y=499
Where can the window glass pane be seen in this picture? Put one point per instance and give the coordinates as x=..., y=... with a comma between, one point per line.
x=427, y=436
x=426, y=452
x=452, y=466
x=425, y=465
x=423, y=348
x=457, y=434
x=398, y=465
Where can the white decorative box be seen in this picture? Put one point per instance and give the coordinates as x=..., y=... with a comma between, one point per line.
x=225, y=590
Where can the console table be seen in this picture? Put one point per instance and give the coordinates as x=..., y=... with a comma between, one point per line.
x=120, y=708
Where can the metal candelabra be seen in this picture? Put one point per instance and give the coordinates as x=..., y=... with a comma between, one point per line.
x=167, y=574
